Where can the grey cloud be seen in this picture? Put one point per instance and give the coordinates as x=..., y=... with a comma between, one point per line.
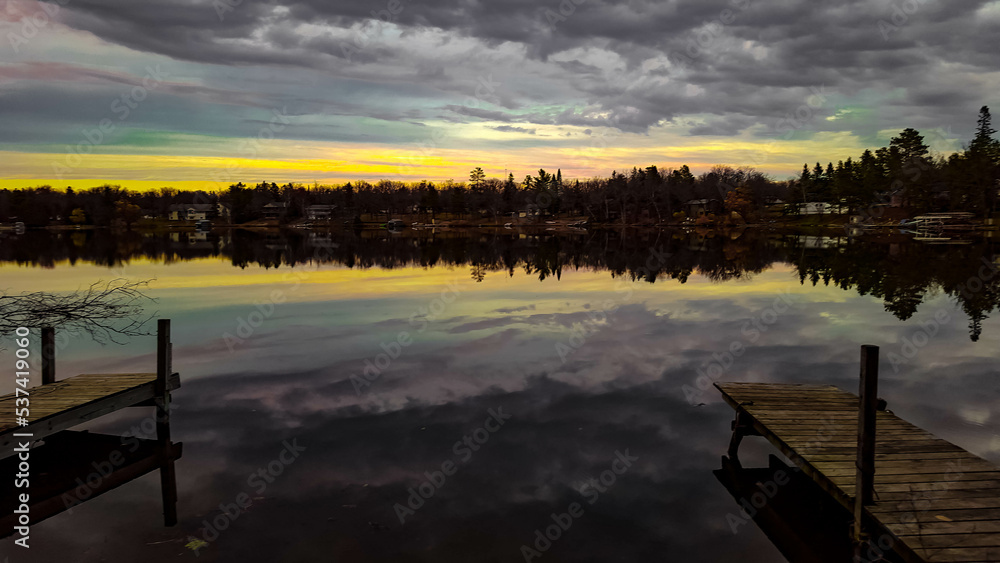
x=511, y=129
x=754, y=69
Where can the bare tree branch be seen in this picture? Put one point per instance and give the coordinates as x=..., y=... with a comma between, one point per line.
x=108, y=312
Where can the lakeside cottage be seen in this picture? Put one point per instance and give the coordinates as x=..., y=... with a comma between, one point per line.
x=189, y=211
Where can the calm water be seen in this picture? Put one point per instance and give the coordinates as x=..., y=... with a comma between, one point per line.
x=579, y=349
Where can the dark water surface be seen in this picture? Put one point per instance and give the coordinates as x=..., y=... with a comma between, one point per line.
x=586, y=346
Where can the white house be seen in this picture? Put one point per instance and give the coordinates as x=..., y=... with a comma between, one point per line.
x=817, y=208
x=320, y=212
x=275, y=210
x=189, y=211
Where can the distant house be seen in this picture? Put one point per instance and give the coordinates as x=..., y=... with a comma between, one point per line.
x=817, y=208
x=275, y=210
x=811, y=208
x=698, y=207
x=189, y=211
x=320, y=212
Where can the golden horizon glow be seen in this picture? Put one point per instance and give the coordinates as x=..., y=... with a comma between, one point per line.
x=337, y=163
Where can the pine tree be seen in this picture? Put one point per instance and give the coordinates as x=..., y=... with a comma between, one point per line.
x=911, y=146
x=983, y=159
x=476, y=178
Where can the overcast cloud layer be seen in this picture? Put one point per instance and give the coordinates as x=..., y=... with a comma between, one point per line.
x=502, y=75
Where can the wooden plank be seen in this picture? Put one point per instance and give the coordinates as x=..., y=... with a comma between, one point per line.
x=940, y=541
x=942, y=504
x=933, y=494
x=927, y=516
x=938, y=486
x=963, y=555
x=924, y=487
x=76, y=410
x=905, y=467
x=936, y=527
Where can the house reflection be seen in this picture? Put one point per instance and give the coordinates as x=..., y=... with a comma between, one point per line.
x=894, y=267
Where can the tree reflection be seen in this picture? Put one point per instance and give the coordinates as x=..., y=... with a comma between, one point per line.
x=901, y=272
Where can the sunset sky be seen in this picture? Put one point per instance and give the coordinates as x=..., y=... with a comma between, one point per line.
x=203, y=93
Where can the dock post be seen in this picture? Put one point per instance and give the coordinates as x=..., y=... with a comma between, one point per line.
x=48, y=355
x=864, y=481
x=168, y=479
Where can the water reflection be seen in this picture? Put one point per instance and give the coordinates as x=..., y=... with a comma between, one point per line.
x=801, y=519
x=495, y=346
x=70, y=468
x=902, y=272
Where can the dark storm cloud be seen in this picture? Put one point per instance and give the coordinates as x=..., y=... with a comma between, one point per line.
x=752, y=62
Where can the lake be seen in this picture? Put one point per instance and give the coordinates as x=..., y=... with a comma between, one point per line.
x=440, y=396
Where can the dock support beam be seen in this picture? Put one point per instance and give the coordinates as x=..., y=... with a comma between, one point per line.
x=864, y=482
x=168, y=479
x=741, y=427
x=48, y=355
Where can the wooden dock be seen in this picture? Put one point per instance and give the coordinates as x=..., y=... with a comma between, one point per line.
x=57, y=406
x=932, y=500
x=67, y=403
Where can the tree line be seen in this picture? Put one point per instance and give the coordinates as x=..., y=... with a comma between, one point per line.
x=904, y=173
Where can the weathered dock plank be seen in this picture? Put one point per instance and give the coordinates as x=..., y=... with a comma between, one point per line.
x=72, y=401
x=56, y=406
x=937, y=501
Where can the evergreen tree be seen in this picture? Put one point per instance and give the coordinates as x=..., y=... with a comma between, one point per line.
x=983, y=160
x=983, y=145
x=476, y=178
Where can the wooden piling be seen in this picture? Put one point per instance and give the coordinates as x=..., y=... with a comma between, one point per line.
x=168, y=480
x=64, y=404
x=48, y=355
x=867, y=407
